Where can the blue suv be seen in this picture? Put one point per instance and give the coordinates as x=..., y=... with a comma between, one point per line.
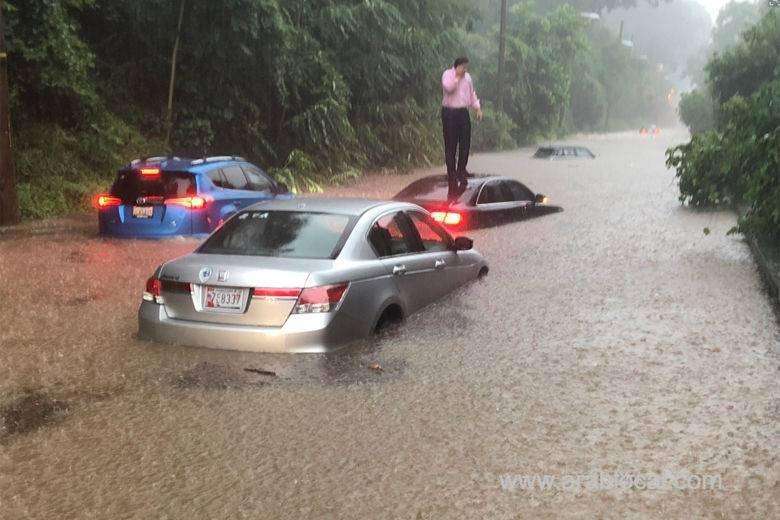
x=166, y=196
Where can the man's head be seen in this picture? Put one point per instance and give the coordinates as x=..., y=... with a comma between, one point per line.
x=461, y=65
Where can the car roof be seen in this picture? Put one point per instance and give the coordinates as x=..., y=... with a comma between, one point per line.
x=562, y=146
x=182, y=164
x=474, y=181
x=344, y=206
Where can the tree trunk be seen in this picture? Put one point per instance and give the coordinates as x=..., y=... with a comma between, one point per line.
x=501, y=53
x=9, y=201
x=169, y=111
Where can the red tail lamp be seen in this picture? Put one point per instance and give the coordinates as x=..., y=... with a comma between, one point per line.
x=188, y=202
x=153, y=290
x=324, y=298
x=449, y=218
x=105, y=201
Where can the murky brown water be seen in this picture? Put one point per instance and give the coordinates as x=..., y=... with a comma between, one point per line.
x=614, y=336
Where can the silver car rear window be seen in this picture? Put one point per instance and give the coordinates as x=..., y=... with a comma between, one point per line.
x=286, y=234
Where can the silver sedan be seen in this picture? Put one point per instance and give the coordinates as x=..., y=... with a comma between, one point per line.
x=305, y=275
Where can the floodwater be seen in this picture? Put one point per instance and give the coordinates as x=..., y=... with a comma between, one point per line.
x=615, y=336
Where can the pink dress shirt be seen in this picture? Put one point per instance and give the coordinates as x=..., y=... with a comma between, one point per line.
x=458, y=93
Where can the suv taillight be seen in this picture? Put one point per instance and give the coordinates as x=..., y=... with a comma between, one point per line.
x=320, y=299
x=105, y=201
x=189, y=202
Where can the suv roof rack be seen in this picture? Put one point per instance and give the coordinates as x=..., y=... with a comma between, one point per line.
x=217, y=158
x=154, y=158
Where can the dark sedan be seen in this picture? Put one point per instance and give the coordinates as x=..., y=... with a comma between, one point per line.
x=486, y=200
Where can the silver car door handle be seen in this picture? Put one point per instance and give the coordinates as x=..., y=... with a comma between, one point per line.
x=440, y=264
x=399, y=269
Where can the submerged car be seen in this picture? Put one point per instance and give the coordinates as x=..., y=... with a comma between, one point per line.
x=485, y=200
x=168, y=196
x=305, y=275
x=563, y=152
x=653, y=130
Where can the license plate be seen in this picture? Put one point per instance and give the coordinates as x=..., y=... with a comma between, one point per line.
x=143, y=211
x=227, y=298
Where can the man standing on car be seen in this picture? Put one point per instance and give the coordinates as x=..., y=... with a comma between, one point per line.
x=459, y=96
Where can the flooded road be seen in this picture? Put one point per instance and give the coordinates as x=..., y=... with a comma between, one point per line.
x=613, y=337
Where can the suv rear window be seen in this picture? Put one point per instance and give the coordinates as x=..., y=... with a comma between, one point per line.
x=130, y=185
x=286, y=234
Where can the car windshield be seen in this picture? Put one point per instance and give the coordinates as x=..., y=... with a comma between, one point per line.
x=544, y=152
x=287, y=234
x=131, y=185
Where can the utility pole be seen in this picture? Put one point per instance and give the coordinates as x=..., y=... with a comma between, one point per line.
x=9, y=202
x=501, y=52
x=169, y=111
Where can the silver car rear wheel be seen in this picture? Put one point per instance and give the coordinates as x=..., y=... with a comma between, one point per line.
x=392, y=315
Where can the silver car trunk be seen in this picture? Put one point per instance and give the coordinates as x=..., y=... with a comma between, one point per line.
x=188, y=281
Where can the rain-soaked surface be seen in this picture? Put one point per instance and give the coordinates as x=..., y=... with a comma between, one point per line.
x=614, y=336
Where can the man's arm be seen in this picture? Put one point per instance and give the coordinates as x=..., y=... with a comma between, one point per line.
x=474, y=100
x=449, y=81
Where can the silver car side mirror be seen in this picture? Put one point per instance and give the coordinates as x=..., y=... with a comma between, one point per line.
x=462, y=244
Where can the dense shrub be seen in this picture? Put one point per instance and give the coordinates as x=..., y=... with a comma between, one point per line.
x=494, y=132
x=739, y=162
x=60, y=169
x=696, y=111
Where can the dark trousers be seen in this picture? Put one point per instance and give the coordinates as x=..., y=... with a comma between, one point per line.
x=457, y=140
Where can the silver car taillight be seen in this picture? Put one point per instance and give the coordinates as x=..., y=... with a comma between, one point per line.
x=153, y=290
x=320, y=299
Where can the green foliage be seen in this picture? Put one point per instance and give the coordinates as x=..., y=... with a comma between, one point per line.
x=540, y=60
x=494, y=132
x=743, y=69
x=313, y=91
x=588, y=96
x=696, y=111
x=703, y=177
x=738, y=162
x=299, y=173
x=733, y=19
x=59, y=170
x=51, y=64
x=754, y=128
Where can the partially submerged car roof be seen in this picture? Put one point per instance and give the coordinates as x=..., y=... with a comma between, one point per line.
x=562, y=150
x=436, y=187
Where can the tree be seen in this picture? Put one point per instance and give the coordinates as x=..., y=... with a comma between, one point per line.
x=733, y=19
x=9, y=203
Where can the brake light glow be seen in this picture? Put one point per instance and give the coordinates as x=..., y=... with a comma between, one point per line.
x=320, y=299
x=188, y=202
x=452, y=219
x=274, y=292
x=149, y=171
x=106, y=201
x=153, y=290
x=449, y=218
